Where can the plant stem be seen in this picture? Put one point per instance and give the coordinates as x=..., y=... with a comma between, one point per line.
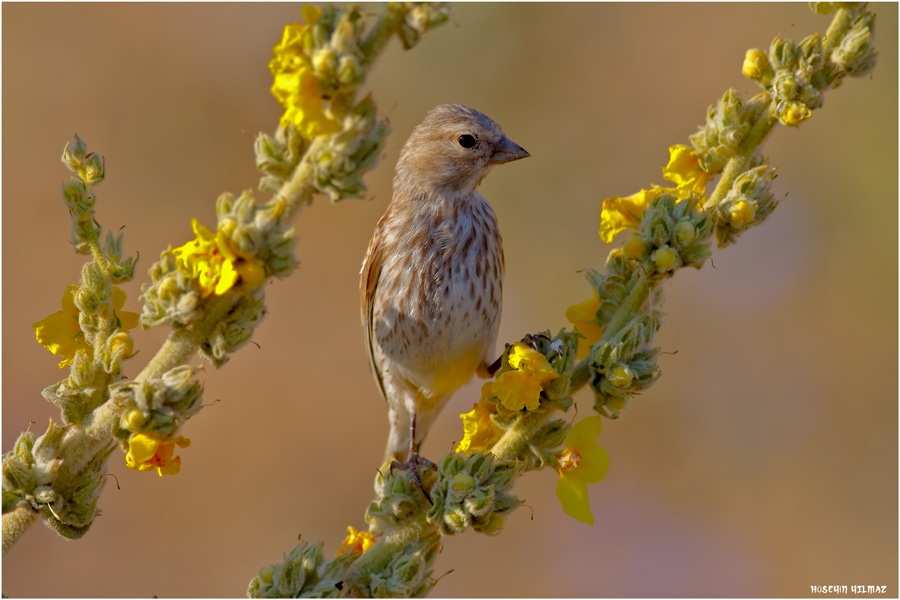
x=739, y=163
x=380, y=34
x=15, y=523
x=184, y=341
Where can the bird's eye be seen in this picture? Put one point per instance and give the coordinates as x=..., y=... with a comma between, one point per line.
x=467, y=141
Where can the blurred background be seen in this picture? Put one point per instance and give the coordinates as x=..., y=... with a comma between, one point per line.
x=763, y=461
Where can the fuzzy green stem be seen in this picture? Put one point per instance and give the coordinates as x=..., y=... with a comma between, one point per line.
x=381, y=33
x=183, y=342
x=739, y=163
x=15, y=523
x=630, y=306
x=392, y=544
x=298, y=190
x=520, y=434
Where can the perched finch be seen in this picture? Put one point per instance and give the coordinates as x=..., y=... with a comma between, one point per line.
x=431, y=282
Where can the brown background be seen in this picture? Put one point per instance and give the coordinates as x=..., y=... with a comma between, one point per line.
x=764, y=460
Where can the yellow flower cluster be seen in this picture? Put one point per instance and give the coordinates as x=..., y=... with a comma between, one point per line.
x=295, y=85
x=521, y=386
x=212, y=263
x=683, y=170
x=148, y=451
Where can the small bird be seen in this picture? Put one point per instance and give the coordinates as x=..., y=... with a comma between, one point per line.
x=431, y=282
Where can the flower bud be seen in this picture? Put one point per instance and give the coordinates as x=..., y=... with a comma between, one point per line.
x=665, y=259
x=133, y=420
x=635, y=247
x=742, y=214
x=74, y=153
x=94, y=169
x=620, y=375
x=794, y=114
x=685, y=233
x=757, y=67
x=78, y=200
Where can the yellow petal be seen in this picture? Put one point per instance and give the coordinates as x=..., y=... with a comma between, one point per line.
x=623, y=212
x=593, y=466
x=685, y=172
x=584, y=434
x=517, y=390
x=59, y=333
x=583, y=311
x=573, y=496
x=583, y=317
x=142, y=447
x=170, y=468
x=530, y=361
x=228, y=277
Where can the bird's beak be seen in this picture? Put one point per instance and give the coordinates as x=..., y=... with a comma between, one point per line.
x=508, y=151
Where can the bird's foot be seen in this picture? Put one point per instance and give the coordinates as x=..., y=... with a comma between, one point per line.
x=413, y=464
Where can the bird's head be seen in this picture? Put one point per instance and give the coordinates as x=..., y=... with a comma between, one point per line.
x=452, y=149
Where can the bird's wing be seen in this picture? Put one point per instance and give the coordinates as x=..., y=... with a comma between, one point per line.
x=368, y=285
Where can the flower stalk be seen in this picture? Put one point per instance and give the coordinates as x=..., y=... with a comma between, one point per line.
x=672, y=227
x=210, y=291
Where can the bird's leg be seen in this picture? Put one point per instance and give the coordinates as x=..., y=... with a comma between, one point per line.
x=491, y=369
x=414, y=460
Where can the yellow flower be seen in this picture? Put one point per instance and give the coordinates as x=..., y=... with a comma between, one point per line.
x=624, y=212
x=479, y=430
x=210, y=261
x=356, y=541
x=148, y=451
x=295, y=85
x=685, y=172
x=683, y=169
x=583, y=316
x=521, y=387
x=61, y=334
x=742, y=214
x=581, y=462
x=756, y=65
x=794, y=114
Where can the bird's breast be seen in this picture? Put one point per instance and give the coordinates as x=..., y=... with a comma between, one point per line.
x=438, y=301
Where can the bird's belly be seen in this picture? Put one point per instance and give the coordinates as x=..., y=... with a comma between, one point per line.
x=438, y=342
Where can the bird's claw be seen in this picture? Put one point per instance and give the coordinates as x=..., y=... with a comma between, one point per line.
x=412, y=464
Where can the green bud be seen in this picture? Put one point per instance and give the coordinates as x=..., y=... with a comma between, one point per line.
x=461, y=484
x=685, y=233
x=94, y=169
x=480, y=502
x=78, y=199
x=856, y=54
x=786, y=87
x=324, y=62
x=811, y=51
x=620, y=376
x=74, y=154
x=420, y=17
x=666, y=259
x=349, y=71
x=783, y=54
